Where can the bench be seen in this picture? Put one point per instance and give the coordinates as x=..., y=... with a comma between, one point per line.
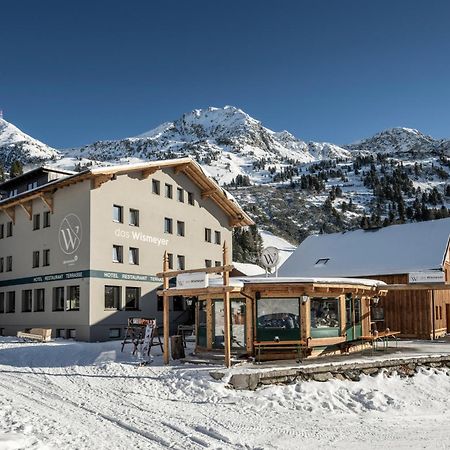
x=36, y=334
x=382, y=337
x=297, y=345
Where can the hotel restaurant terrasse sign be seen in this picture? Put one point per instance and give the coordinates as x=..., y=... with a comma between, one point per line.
x=430, y=276
x=192, y=280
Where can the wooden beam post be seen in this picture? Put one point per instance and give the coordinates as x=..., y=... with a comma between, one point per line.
x=166, y=323
x=227, y=308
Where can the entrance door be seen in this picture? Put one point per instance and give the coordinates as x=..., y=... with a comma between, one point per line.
x=353, y=327
x=237, y=322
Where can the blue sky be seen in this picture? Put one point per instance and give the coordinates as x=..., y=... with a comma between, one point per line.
x=72, y=72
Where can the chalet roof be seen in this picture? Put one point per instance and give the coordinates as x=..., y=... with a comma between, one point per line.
x=398, y=249
x=31, y=174
x=100, y=175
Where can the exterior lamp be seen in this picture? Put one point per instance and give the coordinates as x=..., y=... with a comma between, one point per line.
x=375, y=300
x=304, y=299
x=190, y=301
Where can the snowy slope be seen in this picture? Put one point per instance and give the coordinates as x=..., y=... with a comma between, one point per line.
x=16, y=145
x=67, y=395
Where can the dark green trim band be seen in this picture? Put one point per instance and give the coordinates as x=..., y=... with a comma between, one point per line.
x=120, y=276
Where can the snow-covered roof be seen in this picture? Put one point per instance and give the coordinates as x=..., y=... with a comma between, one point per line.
x=397, y=249
x=315, y=280
x=247, y=281
x=248, y=269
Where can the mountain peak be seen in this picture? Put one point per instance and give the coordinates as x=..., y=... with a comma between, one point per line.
x=17, y=145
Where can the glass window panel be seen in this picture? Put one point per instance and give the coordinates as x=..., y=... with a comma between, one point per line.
x=278, y=319
x=134, y=217
x=325, y=317
x=112, y=297
x=26, y=300
x=73, y=298
x=117, y=213
x=132, y=295
x=39, y=300
x=58, y=299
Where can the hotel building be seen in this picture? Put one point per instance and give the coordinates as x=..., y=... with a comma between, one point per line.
x=79, y=251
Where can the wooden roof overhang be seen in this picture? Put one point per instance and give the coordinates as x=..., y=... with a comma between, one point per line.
x=44, y=193
x=293, y=289
x=209, y=188
x=99, y=176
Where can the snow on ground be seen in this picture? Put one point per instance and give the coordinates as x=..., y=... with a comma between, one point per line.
x=66, y=395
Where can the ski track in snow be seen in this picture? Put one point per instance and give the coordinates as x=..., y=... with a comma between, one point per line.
x=83, y=396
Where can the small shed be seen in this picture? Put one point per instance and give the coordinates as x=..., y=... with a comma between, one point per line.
x=415, y=256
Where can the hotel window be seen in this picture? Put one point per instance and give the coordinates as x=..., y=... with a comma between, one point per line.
x=168, y=225
x=2, y=302
x=217, y=237
x=168, y=190
x=217, y=263
x=27, y=300
x=46, y=219
x=32, y=185
x=208, y=263
x=11, y=302
x=39, y=300
x=170, y=260
x=191, y=198
x=46, y=257
x=36, y=221
x=118, y=213
x=156, y=187
x=114, y=333
x=180, y=228
x=9, y=229
x=132, y=295
x=73, y=298
x=36, y=258
x=180, y=195
x=181, y=262
x=60, y=333
x=2, y=264
x=58, y=299
x=207, y=234
x=117, y=253
x=134, y=217
x=13, y=193
x=8, y=263
x=133, y=256
x=112, y=297
x=2, y=230
x=71, y=333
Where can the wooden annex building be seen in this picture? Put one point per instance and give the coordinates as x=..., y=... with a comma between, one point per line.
x=274, y=318
x=414, y=258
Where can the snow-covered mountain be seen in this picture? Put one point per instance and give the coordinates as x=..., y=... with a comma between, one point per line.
x=290, y=187
x=16, y=145
x=227, y=140
x=402, y=142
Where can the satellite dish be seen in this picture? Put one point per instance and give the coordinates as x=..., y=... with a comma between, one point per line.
x=270, y=257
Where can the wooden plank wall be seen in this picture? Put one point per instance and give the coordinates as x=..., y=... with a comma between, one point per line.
x=406, y=311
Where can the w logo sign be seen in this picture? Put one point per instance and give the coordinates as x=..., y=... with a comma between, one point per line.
x=70, y=234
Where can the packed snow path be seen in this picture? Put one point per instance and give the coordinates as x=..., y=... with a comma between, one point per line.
x=72, y=395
